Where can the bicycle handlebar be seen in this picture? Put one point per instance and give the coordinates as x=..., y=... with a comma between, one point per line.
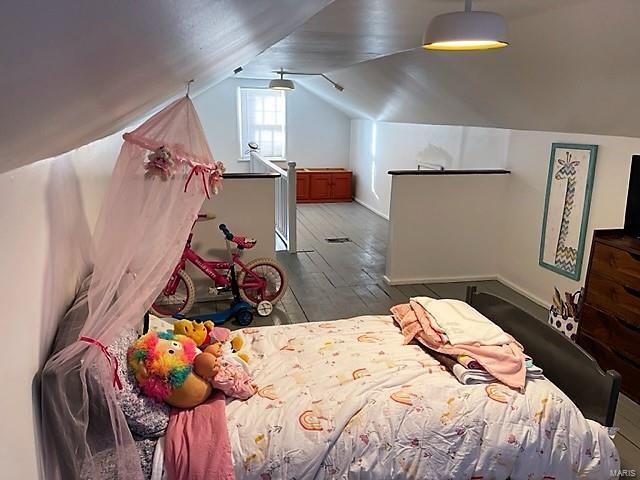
x=227, y=234
x=241, y=242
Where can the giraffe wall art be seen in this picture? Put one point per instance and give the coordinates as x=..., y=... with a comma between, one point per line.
x=566, y=211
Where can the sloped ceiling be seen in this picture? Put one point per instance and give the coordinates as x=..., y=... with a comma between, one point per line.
x=573, y=65
x=74, y=71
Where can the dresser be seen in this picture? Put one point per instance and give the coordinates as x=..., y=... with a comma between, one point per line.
x=323, y=185
x=609, y=327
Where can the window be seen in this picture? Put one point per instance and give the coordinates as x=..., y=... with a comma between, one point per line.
x=261, y=114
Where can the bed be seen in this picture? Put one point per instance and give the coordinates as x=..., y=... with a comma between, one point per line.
x=346, y=399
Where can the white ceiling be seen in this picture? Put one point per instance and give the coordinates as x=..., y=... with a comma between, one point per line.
x=76, y=71
x=573, y=65
x=73, y=71
x=353, y=31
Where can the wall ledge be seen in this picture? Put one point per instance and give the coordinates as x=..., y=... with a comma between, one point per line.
x=227, y=176
x=450, y=172
x=467, y=278
x=462, y=278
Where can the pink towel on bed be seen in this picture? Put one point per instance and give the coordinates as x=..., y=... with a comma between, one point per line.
x=197, y=445
x=505, y=362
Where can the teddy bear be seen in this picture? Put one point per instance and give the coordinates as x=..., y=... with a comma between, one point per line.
x=196, y=331
x=205, y=334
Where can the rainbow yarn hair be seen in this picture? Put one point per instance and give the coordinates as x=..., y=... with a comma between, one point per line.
x=161, y=362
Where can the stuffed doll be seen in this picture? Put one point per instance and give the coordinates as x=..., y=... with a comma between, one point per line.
x=163, y=366
x=225, y=373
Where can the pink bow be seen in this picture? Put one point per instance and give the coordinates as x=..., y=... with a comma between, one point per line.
x=113, y=361
x=198, y=169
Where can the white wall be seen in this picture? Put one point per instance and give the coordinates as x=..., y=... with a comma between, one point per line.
x=243, y=215
x=516, y=241
x=528, y=161
x=317, y=132
x=48, y=213
x=444, y=227
x=377, y=147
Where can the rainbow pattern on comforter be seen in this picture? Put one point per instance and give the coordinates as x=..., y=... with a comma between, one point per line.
x=347, y=399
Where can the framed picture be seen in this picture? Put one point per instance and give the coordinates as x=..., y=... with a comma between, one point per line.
x=566, y=207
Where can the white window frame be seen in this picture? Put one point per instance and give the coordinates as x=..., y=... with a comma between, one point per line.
x=244, y=156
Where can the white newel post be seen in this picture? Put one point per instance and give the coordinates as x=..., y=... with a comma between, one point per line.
x=291, y=208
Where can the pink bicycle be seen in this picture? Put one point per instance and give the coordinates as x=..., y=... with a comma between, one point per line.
x=262, y=279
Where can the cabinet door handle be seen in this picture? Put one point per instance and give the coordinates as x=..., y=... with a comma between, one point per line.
x=631, y=291
x=626, y=359
x=629, y=325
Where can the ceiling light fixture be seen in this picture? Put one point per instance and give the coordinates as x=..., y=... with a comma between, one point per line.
x=281, y=83
x=288, y=84
x=466, y=30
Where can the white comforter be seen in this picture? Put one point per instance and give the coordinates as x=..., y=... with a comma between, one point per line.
x=347, y=399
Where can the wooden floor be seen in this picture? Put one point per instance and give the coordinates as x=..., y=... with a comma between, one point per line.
x=328, y=281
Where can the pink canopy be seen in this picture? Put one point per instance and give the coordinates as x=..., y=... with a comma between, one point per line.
x=163, y=173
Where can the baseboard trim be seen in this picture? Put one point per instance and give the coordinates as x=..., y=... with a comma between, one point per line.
x=467, y=278
x=370, y=208
x=522, y=291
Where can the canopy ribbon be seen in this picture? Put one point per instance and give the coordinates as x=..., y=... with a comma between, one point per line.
x=199, y=169
x=111, y=358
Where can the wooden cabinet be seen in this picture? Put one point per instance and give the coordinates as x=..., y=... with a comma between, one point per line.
x=341, y=186
x=324, y=185
x=320, y=186
x=302, y=186
x=610, y=325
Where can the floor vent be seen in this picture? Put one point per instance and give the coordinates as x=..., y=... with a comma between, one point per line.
x=338, y=240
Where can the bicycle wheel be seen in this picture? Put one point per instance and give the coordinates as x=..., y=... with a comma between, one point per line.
x=180, y=302
x=265, y=269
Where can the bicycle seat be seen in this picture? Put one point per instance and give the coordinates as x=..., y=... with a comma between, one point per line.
x=243, y=242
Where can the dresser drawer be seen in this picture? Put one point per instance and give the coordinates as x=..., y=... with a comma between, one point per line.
x=618, y=333
x=619, y=300
x=611, y=359
x=616, y=264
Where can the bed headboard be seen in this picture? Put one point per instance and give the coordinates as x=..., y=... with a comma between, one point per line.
x=565, y=363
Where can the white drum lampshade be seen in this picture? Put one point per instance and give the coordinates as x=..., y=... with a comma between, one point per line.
x=466, y=30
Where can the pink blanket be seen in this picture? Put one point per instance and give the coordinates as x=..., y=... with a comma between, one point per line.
x=197, y=443
x=505, y=362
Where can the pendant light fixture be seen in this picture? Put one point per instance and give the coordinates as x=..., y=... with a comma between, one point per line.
x=468, y=30
x=281, y=83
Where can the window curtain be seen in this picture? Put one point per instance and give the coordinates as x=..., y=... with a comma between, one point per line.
x=162, y=175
